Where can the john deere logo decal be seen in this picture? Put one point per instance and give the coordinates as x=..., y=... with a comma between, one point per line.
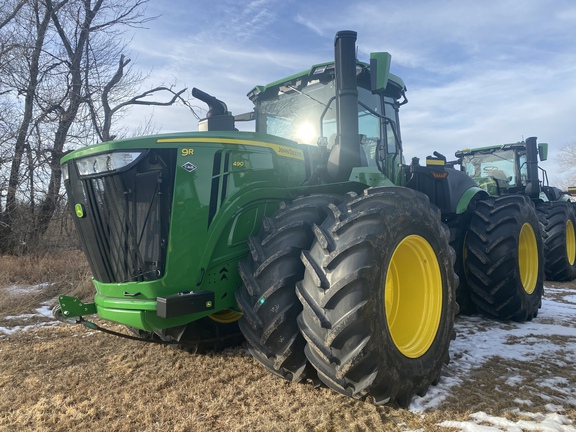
x=189, y=166
x=79, y=209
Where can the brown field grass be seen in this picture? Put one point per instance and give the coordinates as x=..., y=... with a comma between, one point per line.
x=67, y=379
x=42, y=277
x=58, y=377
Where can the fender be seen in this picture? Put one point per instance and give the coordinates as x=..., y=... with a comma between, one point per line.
x=449, y=189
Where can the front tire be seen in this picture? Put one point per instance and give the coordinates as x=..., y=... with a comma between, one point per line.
x=378, y=296
x=505, y=260
x=268, y=297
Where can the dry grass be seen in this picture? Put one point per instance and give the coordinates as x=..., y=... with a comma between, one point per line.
x=67, y=379
x=43, y=277
x=60, y=377
x=62, y=266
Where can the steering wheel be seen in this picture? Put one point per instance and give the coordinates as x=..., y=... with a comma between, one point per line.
x=490, y=168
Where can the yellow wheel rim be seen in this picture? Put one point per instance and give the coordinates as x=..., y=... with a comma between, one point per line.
x=226, y=316
x=570, y=242
x=413, y=296
x=528, y=258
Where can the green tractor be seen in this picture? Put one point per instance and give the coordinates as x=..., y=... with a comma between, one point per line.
x=309, y=237
x=513, y=169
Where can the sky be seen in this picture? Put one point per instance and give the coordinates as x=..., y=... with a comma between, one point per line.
x=478, y=72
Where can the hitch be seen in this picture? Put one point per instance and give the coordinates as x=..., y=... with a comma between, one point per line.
x=70, y=309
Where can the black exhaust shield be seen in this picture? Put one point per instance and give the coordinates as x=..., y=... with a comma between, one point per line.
x=346, y=155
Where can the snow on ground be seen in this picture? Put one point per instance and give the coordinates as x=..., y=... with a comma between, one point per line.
x=478, y=341
x=42, y=316
x=36, y=319
x=539, y=422
x=27, y=289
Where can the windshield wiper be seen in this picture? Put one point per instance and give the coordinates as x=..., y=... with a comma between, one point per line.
x=307, y=95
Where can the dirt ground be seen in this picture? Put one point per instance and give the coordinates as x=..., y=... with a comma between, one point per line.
x=58, y=377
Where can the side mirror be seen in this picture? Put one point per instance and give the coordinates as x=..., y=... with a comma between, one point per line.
x=379, y=71
x=543, y=151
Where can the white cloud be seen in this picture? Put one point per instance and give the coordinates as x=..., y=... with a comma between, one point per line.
x=477, y=73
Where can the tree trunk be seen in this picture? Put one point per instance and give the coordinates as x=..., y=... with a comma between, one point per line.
x=75, y=55
x=9, y=218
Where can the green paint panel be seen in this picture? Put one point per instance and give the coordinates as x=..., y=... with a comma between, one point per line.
x=224, y=184
x=72, y=307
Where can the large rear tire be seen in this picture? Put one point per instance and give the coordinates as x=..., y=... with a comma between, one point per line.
x=268, y=297
x=458, y=226
x=558, y=223
x=378, y=296
x=505, y=261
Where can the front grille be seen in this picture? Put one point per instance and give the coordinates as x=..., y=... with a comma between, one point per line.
x=124, y=233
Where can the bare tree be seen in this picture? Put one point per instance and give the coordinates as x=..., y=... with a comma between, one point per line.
x=103, y=123
x=41, y=18
x=61, y=71
x=567, y=164
x=8, y=13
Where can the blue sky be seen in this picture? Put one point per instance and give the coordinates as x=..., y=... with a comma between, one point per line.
x=477, y=72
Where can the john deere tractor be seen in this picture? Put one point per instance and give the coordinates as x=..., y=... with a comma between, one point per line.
x=513, y=169
x=309, y=237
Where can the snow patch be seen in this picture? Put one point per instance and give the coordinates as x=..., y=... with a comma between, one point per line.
x=539, y=422
x=479, y=340
x=43, y=312
x=27, y=289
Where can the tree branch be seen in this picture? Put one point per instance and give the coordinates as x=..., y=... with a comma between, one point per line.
x=65, y=41
x=13, y=14
x=136, y=99
x=104, y=131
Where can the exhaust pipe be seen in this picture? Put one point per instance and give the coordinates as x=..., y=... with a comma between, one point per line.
x=532, y=183
x=346, y=153
x=217, y=118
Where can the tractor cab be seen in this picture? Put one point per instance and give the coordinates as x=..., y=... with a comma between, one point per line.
x=303, y=108
x=502, y=169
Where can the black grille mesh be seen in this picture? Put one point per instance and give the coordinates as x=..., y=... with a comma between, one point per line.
x=125, y=230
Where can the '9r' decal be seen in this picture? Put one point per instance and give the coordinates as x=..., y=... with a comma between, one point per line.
x=187, y=151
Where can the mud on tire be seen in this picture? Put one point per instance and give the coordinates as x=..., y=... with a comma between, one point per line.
x=378, y=296
x=558, y=223
x=505, y=262
x=268, y=297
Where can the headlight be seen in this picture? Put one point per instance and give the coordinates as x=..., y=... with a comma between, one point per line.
x=105, y=163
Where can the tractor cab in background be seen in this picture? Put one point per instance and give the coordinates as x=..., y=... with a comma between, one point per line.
x=509, y=169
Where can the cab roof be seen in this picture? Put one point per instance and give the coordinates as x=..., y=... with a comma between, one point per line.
x=324, y=72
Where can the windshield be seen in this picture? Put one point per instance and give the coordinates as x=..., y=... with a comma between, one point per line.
x=296, y=115
x=500, y=165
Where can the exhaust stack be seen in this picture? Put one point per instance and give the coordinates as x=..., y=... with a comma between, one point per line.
x=217, y=118
x=346, y=153
x=532, y=183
